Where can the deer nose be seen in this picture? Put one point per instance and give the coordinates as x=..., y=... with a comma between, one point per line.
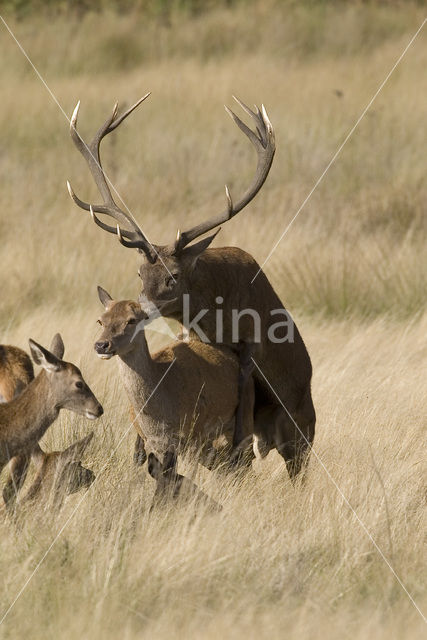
x=99, y=410
x=102, y=346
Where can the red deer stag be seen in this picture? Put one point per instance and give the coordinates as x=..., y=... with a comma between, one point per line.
x=176, y=275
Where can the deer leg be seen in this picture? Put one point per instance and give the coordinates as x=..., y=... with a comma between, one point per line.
x=139, y=453
x=294, y=436
x=245, y=390
x=18, y=468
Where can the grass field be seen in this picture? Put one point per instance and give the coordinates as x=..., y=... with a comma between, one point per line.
x=321, y=560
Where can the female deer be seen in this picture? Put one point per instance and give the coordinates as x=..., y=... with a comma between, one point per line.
x=60, y=385
x=183, y=393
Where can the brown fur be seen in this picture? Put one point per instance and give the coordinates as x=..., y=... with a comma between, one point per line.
x=16, y=371
x=197, y=398
x=227, y=272
x=24, y=420
x=58, y=474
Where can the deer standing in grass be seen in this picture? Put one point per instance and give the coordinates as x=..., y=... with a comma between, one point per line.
x=58, y=472
x=25, y=419
x=184, y=393
x=281, y=367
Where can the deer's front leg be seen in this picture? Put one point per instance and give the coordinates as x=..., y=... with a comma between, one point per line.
x=139, y=453
x=18, y=468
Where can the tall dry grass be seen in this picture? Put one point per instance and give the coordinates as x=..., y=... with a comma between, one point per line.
x=279, y=560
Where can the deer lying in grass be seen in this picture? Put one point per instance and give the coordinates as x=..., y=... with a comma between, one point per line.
x=229, y=274
x=172, y=486
x=184, y=393
x=59, y=474
x=25, y=419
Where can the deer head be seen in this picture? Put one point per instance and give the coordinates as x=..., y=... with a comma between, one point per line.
x=67, y=386
x=119, y=324
x=166, y=270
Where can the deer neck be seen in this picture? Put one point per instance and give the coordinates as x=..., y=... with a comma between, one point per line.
x=139, y=372
x=24, y=420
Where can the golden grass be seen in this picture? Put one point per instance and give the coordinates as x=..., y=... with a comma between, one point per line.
x=279, y=560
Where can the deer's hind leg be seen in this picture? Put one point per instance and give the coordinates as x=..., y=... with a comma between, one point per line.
x=242, y=451
x=294, y=435
x=244, y=414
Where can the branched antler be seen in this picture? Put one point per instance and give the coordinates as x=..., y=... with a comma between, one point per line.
x=265, y=146
x=130, y=235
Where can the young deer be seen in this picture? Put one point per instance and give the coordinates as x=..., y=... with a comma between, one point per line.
x=229, y=274
x=172, y=486
x=24, y=420
x=59, y=473
x=182, y=393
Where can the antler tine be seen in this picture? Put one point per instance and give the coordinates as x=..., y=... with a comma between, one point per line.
x=90, y=152
x=135, y=243
x=107, y=227
x=124, y=115
x=264, y=142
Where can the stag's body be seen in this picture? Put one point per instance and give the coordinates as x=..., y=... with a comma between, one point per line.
x=25, y=419
x=183, y=394
x=282, y=369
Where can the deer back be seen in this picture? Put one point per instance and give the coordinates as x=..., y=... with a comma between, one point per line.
x=16, y=372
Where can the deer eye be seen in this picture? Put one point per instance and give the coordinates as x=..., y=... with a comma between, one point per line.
x=79, y=384
x=99, y=322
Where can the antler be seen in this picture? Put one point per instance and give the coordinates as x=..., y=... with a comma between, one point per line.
x=132, y=237
x=265, y=146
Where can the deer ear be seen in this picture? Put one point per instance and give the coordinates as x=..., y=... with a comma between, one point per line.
x=195, y=250
x=104, y=297
x=57, y=346
x=43, y=357
x=155, y=468
x=75, y=451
